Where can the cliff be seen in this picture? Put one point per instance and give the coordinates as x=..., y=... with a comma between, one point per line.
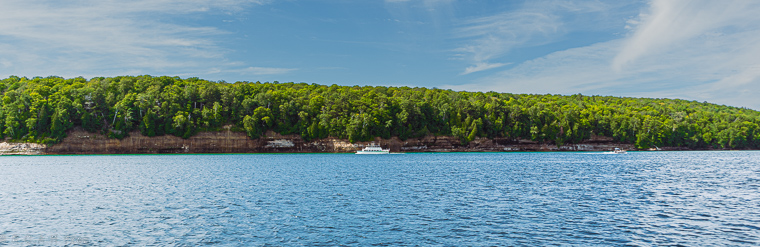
x=21, y=148
x=82, y=142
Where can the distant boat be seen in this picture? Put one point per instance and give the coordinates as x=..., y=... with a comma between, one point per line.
x=619, y=151
x=373, y=148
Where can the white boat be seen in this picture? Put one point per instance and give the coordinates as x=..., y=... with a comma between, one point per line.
x=373, y=149
x=619, y=151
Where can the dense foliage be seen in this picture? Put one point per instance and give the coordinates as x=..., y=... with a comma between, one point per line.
x=42, y=109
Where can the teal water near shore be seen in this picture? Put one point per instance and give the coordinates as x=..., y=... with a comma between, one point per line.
x=482, y=199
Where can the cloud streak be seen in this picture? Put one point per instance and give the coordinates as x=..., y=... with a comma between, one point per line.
x=695, y=50
x=668, y=23
x=536, y=23
x=481, y=67
x=494, y=36
x=89, y=38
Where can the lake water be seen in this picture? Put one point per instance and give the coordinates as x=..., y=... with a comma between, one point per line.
x=481, y=199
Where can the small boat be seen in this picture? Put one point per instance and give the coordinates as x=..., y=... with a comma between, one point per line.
x=373, y=148
x=619, y=151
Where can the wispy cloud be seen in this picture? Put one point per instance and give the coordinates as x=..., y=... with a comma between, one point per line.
x=570, y=71
x=668, y=23
x=91, y=37
x=534, y=24
x=438, y=13
x=695, y=50
x=494, y=36
x=482, y=66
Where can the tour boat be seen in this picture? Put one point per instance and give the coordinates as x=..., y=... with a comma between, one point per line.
x=373, y=149
x=619, y=151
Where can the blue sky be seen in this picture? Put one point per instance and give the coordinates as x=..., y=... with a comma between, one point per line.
x=701, y=50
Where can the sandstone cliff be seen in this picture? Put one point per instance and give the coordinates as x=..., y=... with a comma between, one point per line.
x=82, y=142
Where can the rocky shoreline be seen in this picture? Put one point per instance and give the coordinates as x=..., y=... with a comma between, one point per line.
x=21, y=148
x=82, y=142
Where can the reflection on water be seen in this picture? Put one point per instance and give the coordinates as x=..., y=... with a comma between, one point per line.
x=639, y=198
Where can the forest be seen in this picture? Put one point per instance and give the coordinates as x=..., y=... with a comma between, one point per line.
x=41, y=110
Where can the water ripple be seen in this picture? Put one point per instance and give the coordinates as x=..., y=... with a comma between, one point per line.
x=484, y=199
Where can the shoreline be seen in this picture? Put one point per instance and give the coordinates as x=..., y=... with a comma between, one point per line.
x=228, y=142
x=484, y=152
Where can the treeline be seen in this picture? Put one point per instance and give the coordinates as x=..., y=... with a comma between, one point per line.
x=43, y=109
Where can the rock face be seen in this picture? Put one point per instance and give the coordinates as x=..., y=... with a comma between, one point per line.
x=82, y=142
x=21, y=148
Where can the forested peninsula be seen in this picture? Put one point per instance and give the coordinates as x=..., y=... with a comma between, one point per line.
x=43, y=110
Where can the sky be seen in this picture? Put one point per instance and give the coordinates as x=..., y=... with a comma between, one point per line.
x=701, y=50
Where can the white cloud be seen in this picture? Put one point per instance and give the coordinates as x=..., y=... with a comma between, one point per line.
x=559, y=72
x=481, y=67
x=534, y=24
x=668, y=23
x=671, y=52
x=95, y=38
x=494, y=36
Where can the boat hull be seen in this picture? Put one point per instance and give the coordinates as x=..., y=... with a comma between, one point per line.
x=372, y=152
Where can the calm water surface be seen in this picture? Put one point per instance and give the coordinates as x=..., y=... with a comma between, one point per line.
x=482, y=199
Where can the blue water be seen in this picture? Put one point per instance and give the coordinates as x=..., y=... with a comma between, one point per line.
x=481, y=199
